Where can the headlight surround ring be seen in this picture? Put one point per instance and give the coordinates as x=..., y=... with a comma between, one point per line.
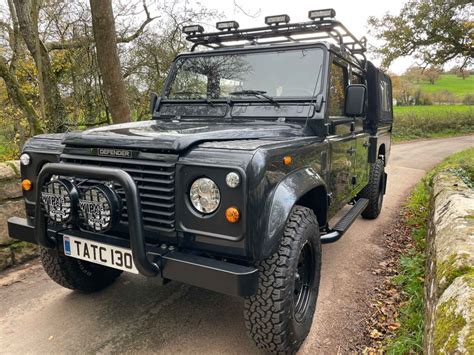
x=59, y=198
x=100, y=208
x=205, y=195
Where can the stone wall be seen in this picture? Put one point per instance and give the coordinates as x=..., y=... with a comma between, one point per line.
x=449, y=286
x=12, y=252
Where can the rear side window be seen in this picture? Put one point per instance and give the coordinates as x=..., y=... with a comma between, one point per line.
x=384, y=96
x=337, y=90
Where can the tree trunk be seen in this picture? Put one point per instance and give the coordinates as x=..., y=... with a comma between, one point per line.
x=107, y=56
x=54, y=109
x=16, y=95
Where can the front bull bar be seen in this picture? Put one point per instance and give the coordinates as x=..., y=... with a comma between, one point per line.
x=137, y=235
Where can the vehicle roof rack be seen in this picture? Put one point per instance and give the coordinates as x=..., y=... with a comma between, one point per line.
x=279, y=30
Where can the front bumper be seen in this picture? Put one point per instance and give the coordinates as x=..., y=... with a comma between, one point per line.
x=216, y=275
x=150, y=260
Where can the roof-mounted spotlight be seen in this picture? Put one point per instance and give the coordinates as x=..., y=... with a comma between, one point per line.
x=320, y=14
x=277, y=19
x=227, y=25
x=192, y=29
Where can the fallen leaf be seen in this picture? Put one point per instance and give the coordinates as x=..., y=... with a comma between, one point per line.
x=393, y=326
x=375, y=334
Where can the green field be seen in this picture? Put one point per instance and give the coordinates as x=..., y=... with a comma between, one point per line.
x=451, y=83
x=433, y=110
x=412, y=122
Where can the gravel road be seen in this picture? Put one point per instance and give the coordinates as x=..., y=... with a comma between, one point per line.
x=137, y=315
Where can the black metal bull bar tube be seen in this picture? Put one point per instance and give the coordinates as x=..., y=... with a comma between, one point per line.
x=135, y=222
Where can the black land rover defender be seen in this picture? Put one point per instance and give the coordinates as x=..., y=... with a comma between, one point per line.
x=253, y=146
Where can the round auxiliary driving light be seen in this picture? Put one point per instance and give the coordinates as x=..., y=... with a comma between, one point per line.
x=59, y=198
x=232, y=179
x=205, y=195
x=100, y=208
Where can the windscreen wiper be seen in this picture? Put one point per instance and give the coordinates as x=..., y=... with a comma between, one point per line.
x=257, y=93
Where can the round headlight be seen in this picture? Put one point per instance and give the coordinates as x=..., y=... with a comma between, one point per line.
x=205, y=195
x=232, y=179
x=59, y=198
x=100, y=208
x=25, y=159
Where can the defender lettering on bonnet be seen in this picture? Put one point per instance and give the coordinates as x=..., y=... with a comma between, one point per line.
x=118, y=153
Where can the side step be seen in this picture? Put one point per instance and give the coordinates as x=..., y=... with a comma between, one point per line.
x=345, y=222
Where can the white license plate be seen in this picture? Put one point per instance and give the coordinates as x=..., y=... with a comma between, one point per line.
x=99, y=253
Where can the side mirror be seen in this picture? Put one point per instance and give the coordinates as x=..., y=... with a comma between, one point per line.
x=153, y=101
x=355, y=100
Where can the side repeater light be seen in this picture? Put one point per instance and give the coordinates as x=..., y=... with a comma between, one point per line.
x=320, y=14
x=227, y=25
x=277, y=19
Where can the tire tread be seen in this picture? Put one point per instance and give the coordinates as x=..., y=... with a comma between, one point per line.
x=267, y=313
x=76, y=274
x=371, y=191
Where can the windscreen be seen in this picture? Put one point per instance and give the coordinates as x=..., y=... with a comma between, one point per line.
x=279, y=74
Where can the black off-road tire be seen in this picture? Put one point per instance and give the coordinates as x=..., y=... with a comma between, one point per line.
x=272, y=318
x=75, y=274
x=374, y=190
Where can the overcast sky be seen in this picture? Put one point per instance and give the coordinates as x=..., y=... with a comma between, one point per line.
x=353, y=14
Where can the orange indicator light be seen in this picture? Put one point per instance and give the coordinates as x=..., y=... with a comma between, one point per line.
x=26, y=185
x=287, y=160
x=232, y=215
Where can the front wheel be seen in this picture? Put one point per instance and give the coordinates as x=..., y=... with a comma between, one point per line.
x=75, y=274
x=279, y=316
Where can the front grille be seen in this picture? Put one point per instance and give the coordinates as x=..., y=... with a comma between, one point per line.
x=155, y=181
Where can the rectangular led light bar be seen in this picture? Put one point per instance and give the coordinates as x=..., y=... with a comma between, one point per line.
x=193, y=29
x=320, y=14
x=275, y=20
x=227, y=25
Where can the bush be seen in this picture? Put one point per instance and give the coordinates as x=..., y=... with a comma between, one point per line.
x=468, y=99
x=414, y=122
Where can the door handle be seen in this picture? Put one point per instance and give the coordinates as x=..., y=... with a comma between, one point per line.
x=351, y=151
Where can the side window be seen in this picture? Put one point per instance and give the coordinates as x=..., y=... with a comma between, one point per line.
x=384, y=96
x=337, y=90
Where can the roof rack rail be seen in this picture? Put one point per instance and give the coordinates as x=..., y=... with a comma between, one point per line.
x=281, y=31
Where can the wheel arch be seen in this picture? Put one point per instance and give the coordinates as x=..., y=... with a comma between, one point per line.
x=303, y=186
x=316, y=199
x=381, y=153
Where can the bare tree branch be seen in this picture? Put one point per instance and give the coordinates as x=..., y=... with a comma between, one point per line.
x=87, y=41
x=140, y=30
x=246, y=13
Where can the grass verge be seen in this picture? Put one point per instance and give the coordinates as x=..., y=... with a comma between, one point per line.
x=411, y=271
x=413, y=122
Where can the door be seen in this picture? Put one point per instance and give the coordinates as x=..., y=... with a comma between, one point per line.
x=341, y=140
x=360, y=176
x=361, y=157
